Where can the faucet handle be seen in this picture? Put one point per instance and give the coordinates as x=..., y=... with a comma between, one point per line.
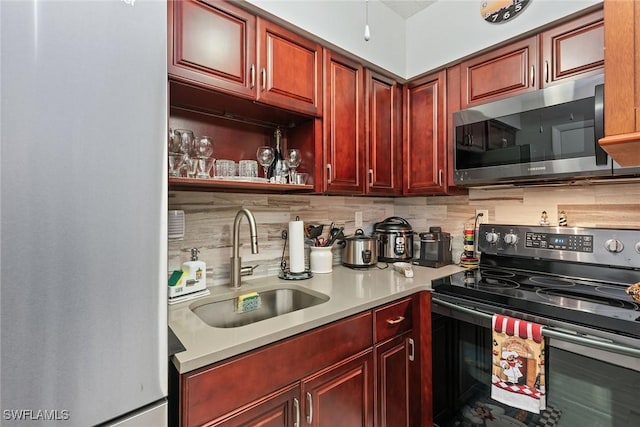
x=247, y=270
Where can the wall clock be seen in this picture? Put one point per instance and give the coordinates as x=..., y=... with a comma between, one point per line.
x=498, y=11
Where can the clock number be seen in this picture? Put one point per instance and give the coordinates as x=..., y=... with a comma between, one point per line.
x=506, y=16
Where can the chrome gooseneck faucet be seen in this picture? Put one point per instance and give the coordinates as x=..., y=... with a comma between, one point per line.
x=236, y=261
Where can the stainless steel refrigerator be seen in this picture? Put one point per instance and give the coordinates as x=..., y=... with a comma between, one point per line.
x=83, y=88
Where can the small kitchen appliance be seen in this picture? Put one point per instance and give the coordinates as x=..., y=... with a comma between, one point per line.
x=572, y=281
x=435, y=248
x=360, y=251
x=395, y=239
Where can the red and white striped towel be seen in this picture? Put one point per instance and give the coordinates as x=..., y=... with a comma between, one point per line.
x=518, y=375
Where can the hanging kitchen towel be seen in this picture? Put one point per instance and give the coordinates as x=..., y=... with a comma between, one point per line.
x=518, y=364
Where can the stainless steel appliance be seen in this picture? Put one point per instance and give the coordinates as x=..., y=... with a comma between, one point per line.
x=546, y=135
x=435, y=248
x=570, y=280
x=395, y=239
x=84, y=230
x=360, y=251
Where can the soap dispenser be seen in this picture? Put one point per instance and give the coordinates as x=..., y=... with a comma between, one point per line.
x=194, y=274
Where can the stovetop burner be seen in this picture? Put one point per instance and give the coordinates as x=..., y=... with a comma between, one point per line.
x=593, y=303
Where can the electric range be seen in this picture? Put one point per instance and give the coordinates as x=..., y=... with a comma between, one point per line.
x=554, y=275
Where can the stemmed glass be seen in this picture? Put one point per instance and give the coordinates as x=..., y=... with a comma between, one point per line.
x=293, y=161
x=265, y=155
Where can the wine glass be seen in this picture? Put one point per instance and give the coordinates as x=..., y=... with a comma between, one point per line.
x=293, y=161
x=265, y=156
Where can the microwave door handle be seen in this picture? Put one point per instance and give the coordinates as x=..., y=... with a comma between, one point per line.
x=598, y=126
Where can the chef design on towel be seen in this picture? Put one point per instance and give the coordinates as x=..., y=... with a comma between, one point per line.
x=518, y=364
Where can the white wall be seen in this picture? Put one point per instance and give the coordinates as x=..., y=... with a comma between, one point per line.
x=341, y=23
x=438, y=35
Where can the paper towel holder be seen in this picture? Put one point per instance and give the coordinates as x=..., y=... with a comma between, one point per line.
x=285, y=274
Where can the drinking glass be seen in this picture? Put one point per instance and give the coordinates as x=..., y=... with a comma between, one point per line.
x=265, y=155
x=175, y=162
x=205, y=164
x=293, y=161
x=203, y=147
x=184, y=140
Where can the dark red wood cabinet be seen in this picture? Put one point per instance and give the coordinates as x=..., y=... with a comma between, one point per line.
x=344, y=120
x=566, y=51
x=359, y=371
x=424, y=145
x=225, y=48
x=383, y=168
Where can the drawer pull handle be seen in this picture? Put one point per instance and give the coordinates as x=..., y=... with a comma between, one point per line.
x=412, y=350
x=310, y=408
x=395, y=321
x=296, y=405
x=253, y=76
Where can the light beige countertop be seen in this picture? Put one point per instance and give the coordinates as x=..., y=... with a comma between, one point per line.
x=349, y=291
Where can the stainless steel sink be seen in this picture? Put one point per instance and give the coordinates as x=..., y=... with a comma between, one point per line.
x=273, y=302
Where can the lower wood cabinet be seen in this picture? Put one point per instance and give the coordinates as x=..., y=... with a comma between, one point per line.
x=359, y=371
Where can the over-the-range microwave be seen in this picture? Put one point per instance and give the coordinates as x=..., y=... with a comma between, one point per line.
x=547, y=135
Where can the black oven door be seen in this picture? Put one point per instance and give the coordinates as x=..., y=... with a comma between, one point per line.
x=585, y=387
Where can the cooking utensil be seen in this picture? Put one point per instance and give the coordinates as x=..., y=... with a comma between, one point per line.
x=335, y=234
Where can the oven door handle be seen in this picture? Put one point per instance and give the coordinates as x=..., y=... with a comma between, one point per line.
x=550, y=332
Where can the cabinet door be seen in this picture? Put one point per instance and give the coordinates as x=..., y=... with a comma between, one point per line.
x=574, y=49
x=500, y=73
x=280, y=409
x=622, y=82
x=341, y=395
x=394, y=365
x=384, y=144
x=290, y=69
x=344, y=145
x=424, y=137
x=213, y=44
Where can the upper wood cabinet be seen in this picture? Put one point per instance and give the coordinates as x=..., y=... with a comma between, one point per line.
x=571, y=50
x=500, y=73
x=344, y=120
x=384, y=135
x=424, y=144
x=290, y=69
x=225, y=48
x=622, y=81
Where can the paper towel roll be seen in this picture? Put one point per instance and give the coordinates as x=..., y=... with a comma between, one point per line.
x=296, y=246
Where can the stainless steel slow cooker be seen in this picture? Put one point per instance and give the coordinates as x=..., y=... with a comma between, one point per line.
x=360, y=251
x=395, y=239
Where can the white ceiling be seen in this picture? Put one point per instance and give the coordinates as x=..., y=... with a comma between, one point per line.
x=407, y=8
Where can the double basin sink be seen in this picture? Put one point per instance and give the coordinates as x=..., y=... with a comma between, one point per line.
x=223, y=312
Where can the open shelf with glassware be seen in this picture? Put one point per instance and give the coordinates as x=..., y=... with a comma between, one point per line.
x=237, y=128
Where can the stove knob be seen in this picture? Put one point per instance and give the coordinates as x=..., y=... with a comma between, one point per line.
x=614, y=245
x=511, y=239
x=492, y=237
x=638, y=247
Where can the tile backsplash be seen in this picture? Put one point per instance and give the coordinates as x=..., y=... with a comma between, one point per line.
x=210, y=216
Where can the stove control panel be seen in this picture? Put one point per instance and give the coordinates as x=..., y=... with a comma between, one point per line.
x=561, y=242
x=615, y=247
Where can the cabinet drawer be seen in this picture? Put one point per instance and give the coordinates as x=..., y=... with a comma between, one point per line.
x=392, y=319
